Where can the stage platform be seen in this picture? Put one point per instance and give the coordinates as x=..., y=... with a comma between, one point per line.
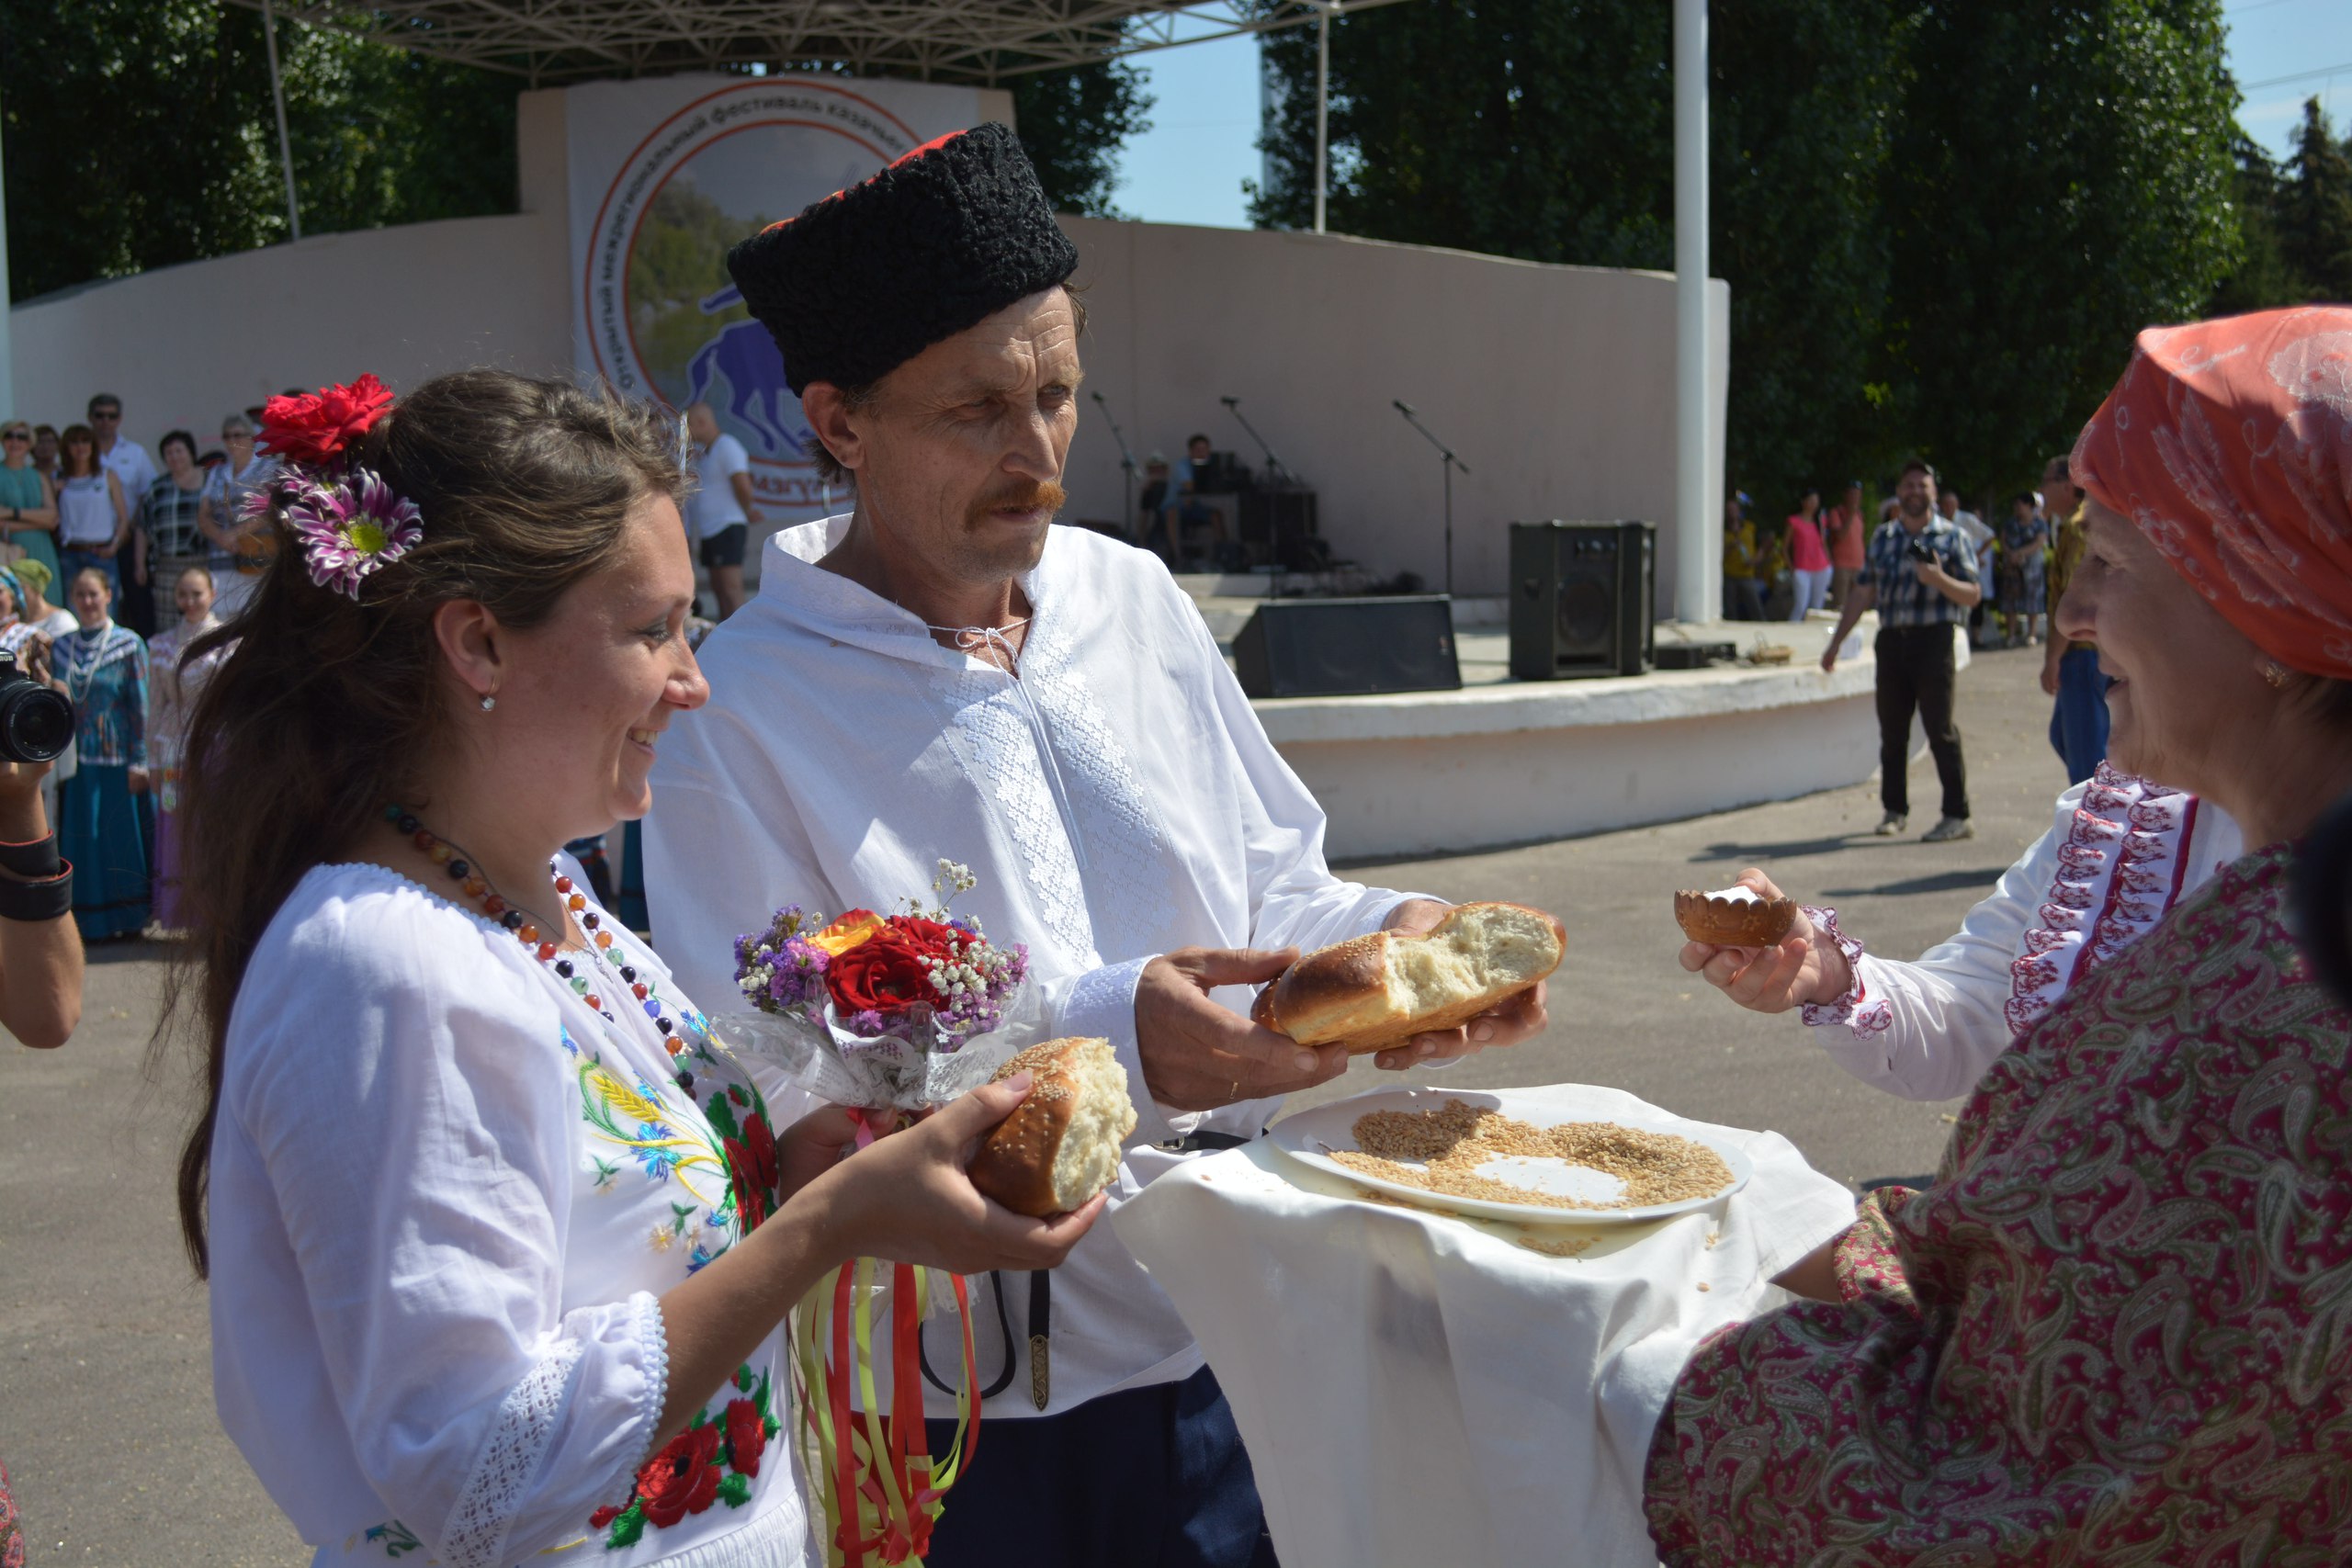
x=1506, y=761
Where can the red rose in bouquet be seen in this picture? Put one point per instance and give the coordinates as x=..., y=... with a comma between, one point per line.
x=889, y=971
x=682, y=1479
x=315, y=428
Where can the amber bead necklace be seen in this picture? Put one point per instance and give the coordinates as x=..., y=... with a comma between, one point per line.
x=541, y=943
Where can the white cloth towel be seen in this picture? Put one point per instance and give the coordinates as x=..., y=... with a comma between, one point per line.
x=1416, y=1388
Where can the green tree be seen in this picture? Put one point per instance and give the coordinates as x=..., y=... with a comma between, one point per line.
x=1544, y=129
x=139, y=134
x=2263, y=277
x=1073, y=123
x=2060, y=178
x=1941, y=220
x=1536, y=129
x=2316, y=210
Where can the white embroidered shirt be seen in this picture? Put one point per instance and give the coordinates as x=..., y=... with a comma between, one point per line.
x=2121, y=853
x=1117, y=800
x=446, y=1195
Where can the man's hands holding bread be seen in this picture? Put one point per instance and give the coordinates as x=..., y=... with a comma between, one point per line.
x=1520, y=1016
x=1360, y=997
x=1437, y=981
x=1802, y=967
x=1198, y=1055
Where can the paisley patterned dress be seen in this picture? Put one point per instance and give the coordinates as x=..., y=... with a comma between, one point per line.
x=2117, y=1330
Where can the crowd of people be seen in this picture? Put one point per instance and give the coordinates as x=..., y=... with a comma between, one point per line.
x=1808, y=562
x=145, y=560
x=1933, y=571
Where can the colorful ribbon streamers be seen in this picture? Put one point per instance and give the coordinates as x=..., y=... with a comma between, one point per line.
x=884, y=1491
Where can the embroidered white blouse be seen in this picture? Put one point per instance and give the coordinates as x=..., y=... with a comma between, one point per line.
x=1119, y=799
x=447, y=1193
x=2121, y=853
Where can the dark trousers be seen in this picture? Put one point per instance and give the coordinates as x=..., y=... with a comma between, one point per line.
x=1914, y=674
x=1149, y=1478
x=2078, y=719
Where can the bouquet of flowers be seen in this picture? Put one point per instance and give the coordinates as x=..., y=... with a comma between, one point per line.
x=903, y=1012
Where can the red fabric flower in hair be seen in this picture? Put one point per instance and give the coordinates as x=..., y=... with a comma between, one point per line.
x=315, y=428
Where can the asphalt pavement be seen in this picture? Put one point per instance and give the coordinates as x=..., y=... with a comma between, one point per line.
x=106, y=1422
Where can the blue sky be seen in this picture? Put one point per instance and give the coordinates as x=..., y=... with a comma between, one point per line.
x=1189, y=167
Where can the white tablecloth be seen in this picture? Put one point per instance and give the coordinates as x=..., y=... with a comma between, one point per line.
x=1419, y=1389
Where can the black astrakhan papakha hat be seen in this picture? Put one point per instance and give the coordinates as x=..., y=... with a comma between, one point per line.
x=867, y=278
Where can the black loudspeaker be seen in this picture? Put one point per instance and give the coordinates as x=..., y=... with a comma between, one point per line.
x=1580, y=599
x=1331, y=648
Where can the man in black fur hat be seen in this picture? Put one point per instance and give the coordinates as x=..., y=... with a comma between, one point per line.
x=943, y=674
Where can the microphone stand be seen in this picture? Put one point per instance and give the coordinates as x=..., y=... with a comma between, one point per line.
x=1450, y=463
x=1274, y=465
x=1127, y=461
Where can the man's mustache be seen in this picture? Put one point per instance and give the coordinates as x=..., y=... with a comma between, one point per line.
x=1023, y=498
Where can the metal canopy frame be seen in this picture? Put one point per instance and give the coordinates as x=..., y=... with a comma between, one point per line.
x=550, y=43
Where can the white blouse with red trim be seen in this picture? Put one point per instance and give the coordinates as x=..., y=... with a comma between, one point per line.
x=2122, y=851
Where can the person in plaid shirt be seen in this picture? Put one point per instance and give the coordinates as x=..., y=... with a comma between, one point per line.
x=1921, y=578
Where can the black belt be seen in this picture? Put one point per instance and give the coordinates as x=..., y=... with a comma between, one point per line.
x=1040, y=1316
x=1202, y=1143
x=1040, y=1299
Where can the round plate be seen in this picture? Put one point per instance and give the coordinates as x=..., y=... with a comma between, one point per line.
x=1307, y=1136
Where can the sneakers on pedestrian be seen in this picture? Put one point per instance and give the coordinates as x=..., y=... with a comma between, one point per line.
x=1945, y=831
x=1894, y=823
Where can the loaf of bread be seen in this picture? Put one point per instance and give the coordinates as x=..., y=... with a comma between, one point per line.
x=1060, y=1146
x=1737, y=917
x=1371, y=991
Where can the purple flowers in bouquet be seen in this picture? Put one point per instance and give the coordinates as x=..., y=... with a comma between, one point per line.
x=924, y=978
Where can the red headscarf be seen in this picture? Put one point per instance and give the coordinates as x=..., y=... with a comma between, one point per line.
x=2228, y=443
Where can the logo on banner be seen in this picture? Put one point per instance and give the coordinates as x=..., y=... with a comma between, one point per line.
x=664, y=318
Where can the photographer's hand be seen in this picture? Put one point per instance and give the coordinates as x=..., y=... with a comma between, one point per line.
x=41, y=961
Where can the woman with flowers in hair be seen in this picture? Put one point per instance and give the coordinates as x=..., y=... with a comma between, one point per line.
x=500, y=1238
x=2116, y=1328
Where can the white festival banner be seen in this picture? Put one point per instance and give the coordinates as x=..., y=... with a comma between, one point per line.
x=665, y=176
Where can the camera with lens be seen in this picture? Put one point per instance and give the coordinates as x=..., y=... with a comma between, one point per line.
x=36, y=723
x=1920, y=550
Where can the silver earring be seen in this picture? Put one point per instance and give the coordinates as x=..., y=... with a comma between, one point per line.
x=488, y=701
x=2276, y=674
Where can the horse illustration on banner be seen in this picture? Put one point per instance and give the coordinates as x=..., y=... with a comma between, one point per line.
x=759, y=403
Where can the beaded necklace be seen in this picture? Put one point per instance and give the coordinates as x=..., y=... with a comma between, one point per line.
x=540, y=945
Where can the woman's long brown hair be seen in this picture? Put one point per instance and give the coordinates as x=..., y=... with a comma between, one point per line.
x=325, y=708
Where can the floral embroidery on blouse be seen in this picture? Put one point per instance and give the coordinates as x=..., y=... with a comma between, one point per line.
x=396, y=1539
x=2122, y=867
x=1857, y=1009
x=715, y=1459
x=2117, y=1330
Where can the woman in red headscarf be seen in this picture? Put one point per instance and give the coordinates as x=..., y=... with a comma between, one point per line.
x=2118, y=1328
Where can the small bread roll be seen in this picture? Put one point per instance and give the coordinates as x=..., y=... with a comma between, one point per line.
x=1060, y=1146
x=1373, y=991
x=1737, y=917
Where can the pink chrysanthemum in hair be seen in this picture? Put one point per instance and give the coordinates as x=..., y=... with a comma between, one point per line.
x=352, y=527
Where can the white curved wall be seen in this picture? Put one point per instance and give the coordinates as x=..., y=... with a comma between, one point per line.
x=1556, y=383
x=184, y=345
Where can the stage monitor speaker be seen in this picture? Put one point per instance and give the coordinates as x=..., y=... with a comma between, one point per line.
x=1581, y=598
x=1333, y=648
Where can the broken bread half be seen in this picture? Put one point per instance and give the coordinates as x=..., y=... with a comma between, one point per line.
x=1371, y=991
x=1060, y=1146
x=1734, y=916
